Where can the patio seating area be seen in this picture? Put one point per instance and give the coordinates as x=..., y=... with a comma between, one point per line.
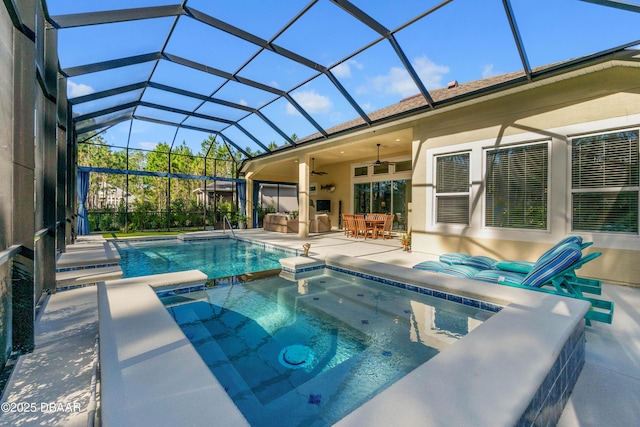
x=373, y=226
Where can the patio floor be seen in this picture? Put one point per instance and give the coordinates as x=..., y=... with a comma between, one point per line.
x=55, y=380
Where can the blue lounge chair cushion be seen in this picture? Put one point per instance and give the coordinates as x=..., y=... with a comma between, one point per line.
x=460, y=271
x=480, y=261
x=523, y=267
x=573, y=239
x=453, y=258
x=435, y=266
x=497, y=276
x=553, y=264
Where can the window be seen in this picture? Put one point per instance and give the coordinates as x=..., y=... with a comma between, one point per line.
x=382, y=168
x=403, y=166
x=361, y=171
x=452, y=189
x=516, y=187
x=605, y=182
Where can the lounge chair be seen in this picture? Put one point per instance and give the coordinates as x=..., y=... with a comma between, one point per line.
x=590, y=286
x=549, y=274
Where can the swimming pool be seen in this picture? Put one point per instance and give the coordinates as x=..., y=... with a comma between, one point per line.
x=215, y=257
x=310, y=351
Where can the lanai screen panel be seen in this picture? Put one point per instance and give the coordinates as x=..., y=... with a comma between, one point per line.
x=253, y=73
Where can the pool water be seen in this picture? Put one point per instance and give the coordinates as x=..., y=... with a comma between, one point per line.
x=216, y=257
x=309, y=352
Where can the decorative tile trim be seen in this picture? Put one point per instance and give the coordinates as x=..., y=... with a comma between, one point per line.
x=269, y=247
x=552, y=396
x=303, y=269
x=180, y=291
x=482, y=305
x=86, y=267
x=70, y=287
x=144, y=240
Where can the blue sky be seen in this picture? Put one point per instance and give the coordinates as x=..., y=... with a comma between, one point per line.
x=465, y=40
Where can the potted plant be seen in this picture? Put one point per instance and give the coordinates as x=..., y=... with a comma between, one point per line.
x=405, y=240
x=240, y=219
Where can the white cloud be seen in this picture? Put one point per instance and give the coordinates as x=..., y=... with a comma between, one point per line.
x=368, y=107
x=344, y=70
x=243, y=102
x=430, y=73
x=311, y=101
x=488, y=71
x=148, y=145
x=398, y=80
x=78, y=89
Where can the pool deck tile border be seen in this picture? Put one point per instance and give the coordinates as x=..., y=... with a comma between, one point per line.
x=471, y=302
x=86, y=267
x=548, y=403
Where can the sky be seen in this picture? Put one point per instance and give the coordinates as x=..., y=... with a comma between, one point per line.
x=463, y=40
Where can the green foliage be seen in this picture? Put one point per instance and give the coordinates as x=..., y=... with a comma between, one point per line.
x=154, y=196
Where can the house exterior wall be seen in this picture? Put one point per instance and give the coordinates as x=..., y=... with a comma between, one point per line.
x=595, y=99
x=603, y=100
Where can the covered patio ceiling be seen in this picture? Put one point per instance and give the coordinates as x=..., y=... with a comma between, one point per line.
x=269, y=76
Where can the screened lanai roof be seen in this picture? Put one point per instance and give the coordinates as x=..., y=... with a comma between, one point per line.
x=263, y=74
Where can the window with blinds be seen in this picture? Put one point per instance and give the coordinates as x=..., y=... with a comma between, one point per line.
x=605, y=182
x=452, y=189
x=516, y=187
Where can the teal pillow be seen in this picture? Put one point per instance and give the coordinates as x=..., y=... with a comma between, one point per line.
x=523, y=267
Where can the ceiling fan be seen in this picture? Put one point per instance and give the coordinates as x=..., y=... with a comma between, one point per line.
x=313, y=168
x=383, y=162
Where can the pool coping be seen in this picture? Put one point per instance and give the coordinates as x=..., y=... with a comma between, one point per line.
x=150, y=374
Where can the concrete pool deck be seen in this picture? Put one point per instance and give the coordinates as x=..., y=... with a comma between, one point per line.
x=59, y=370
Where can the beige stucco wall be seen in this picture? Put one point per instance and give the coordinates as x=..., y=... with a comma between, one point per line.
x=593, y=102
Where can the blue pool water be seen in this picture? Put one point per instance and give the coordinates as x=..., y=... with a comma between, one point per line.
x=309, y=352
x=216, y=257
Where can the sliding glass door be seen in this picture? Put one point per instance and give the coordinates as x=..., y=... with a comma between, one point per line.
x=381, y=202
x=362, y=198
x=384, y=197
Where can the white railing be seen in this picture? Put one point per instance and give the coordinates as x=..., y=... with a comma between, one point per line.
x=225, y=221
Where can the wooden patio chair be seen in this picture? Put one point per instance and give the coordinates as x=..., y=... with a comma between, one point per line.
x=385, y=231
x=361, y=227
x=349, y=225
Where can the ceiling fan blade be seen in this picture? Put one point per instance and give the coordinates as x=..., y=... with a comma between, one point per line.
x=313, y=168
x=379, y=162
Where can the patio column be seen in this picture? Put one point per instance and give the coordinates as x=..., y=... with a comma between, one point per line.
x=250, y=206
x=303, y=196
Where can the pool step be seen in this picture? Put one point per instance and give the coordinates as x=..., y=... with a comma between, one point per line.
x=86, y=276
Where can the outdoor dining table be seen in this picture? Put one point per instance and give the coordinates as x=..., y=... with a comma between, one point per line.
x=377, y=224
